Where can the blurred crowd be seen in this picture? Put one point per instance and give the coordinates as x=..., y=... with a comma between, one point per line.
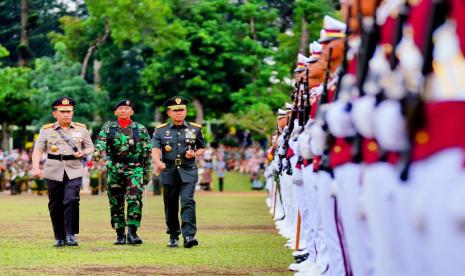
x=15, y=167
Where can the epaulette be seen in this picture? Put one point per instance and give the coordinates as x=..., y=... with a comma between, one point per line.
x=162, y=125
x=196, y=125
x=47, y=126
x=79, y=124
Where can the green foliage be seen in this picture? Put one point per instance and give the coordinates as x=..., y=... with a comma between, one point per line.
x=43, y=18
x=259, y=118
x=78, y=34
x=58, y=76
x=313, y=12
x=16, y=106
x=224, y=51
x=230, y=56
x=3, y=53
x=143, y=22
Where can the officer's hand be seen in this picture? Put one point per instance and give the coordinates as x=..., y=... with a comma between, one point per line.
x=38, y=173
x=190, y=154
x=78, y=154
x=160, y=166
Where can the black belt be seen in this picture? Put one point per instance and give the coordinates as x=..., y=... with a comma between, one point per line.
x=178, y=162
x=125, y=159
x=61, y=157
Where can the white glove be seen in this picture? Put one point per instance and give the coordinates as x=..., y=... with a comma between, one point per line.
x=339, y=120
x=362, y=115
x=304, y=145
x=389, y=126
x=297, y=178
x=318, y=139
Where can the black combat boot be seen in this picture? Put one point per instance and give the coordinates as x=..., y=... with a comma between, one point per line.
x=120, y=236
x=132, y=235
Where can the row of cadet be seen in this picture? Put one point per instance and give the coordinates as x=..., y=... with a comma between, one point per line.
x=366, y=175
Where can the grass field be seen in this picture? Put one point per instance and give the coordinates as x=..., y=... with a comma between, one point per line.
x=233, y=182
x=236, y=236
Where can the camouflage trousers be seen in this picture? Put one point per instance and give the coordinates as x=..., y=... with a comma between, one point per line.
x=125, y=185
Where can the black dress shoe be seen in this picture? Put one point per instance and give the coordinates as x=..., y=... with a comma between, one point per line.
x=59, y=243
x=173, y=242
x=71, y=240
x=190, y=241
x=132, y=236
x=120, y=237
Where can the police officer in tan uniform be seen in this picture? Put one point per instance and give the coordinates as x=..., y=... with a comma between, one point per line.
x=66, y=143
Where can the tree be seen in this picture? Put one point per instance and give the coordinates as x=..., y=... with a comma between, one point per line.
x=258, y=118
x=15, y=94
x=58, y=76
x=134, y=32
x=225, y=49
x=42, y=18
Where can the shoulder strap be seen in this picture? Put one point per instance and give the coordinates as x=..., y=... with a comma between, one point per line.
x=81, y=125
x=135, y=132
x=162, y=125
x=67, y=139
x=47, y=126
x=196, y=125
x=112, y=128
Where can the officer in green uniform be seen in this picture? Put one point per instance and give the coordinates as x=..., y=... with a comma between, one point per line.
x=175, y=147
x=128, y=147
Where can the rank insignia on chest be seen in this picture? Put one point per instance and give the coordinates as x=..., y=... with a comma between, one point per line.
x=190, y=133
x=131, y=142
x=54, y=148
x=167, y=148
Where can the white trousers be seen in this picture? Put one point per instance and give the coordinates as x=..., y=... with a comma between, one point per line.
x=332, y=247
x=348, y=179
x=442, y=178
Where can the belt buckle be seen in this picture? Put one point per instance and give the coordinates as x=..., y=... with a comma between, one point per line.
x=177, y=161
x=61, y=157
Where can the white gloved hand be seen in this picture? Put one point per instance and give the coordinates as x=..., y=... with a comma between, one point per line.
x=389, y=126
x=339, y=120
x=304, y=144
x=362, y=115
x=318, y=139
x=297, y=178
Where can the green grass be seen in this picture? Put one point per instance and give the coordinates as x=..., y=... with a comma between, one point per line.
x=233, y=182
x=235, y=232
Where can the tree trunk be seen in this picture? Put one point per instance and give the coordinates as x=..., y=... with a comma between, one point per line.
x=303, y=48
x=252, y=29
x=157, y=116
x=198, y=111
x=97, y=78
x=5, y=137
x=92, y=48
x=24, y=30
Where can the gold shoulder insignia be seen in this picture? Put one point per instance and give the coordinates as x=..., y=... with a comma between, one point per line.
x=79, y=124
x=162, y=125
x=196, y=125
x=47, y=126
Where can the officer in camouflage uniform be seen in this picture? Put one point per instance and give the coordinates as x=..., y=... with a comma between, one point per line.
x=128, y=148
x=175, y=147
